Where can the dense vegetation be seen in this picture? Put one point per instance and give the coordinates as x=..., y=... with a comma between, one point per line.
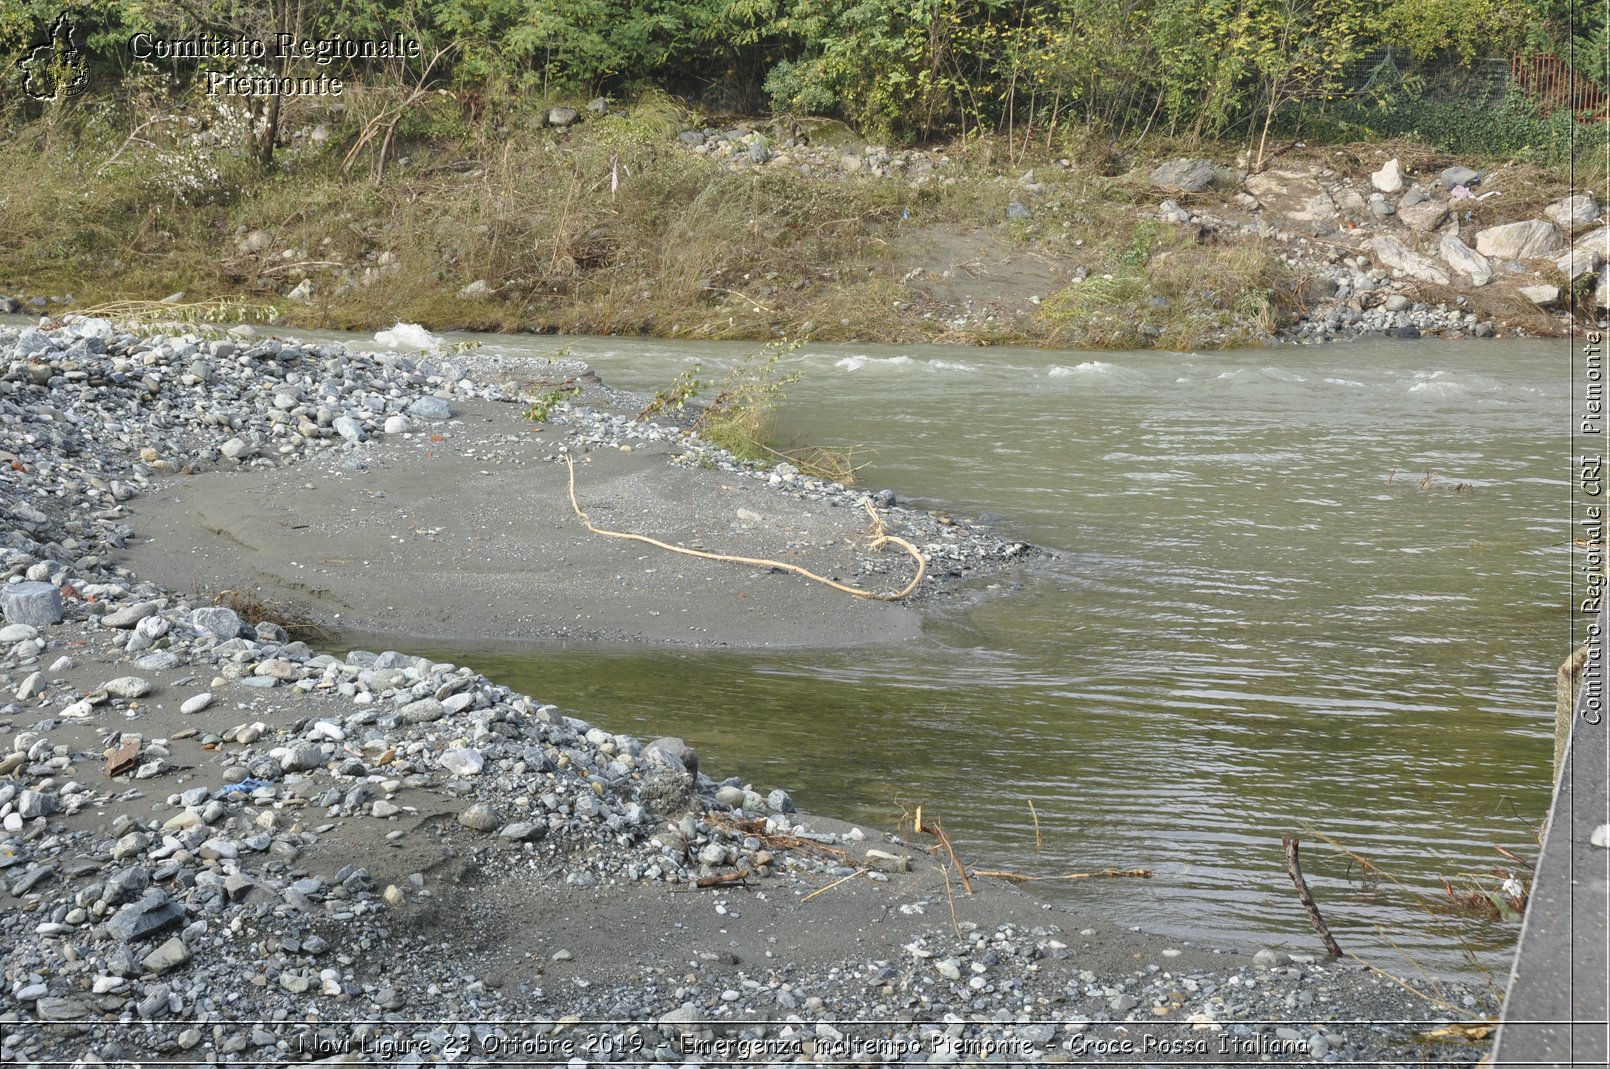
x=895, y=69
x=435, y=190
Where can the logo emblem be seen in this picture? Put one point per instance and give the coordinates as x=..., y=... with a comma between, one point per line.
x=55, y=70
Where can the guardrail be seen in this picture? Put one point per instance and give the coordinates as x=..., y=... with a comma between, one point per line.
x=1557, y=1011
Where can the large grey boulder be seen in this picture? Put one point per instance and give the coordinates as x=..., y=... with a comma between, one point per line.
x=1465, y=260
x=151, y=914
x=217, y=621
x=1401, y=260
x=1577, y=261
x=1424, y=216
x=674, y=747
x=1520, y=241
x=1573, y=211
x=430, y=408
x=1185, y=176
x=34, y=604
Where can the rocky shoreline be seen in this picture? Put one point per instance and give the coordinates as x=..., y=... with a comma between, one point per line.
x=221, y=846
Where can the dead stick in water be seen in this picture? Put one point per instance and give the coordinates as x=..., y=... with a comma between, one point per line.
x=944, y=840
x=1295, y=870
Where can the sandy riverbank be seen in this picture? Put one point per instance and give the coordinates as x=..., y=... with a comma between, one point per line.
x=221, y=845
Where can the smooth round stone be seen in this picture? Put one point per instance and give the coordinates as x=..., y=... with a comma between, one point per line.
x=479, y=818
x=127, y=687
x=18, y=632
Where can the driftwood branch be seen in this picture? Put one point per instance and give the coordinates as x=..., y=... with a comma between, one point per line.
x=1102, y=874
x=1304, y=895
x=944, y=840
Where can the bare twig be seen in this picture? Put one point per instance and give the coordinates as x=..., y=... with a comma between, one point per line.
x=132, y=138
x=835, y=883
x=944, y=840
x=1304, y=895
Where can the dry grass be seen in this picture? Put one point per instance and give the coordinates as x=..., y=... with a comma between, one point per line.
x=1171, y=288
x=612, y=227
x=255, y=609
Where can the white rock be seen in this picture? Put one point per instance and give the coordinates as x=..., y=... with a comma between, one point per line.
x=127, y=687
x=1520, y=241
x=1568, y=212
x=1389, y=179
x=1576, y=262
x=461, y=761
x=32, y=684
x=197, y=703
x=1540, y=294
x=1402, y=261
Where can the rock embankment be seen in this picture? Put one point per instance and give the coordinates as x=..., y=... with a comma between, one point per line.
x=1403, y=255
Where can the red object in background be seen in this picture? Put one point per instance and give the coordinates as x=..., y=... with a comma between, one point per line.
x=1553, y=85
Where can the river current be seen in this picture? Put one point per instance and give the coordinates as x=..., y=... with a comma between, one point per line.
x=1314, y=591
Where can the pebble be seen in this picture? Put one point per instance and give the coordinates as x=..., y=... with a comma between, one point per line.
x=479, y=817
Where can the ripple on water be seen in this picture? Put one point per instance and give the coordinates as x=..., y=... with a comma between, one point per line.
x=1089, y=367
x=876, y=363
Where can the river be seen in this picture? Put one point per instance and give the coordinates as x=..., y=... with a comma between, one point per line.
x=1318, y=591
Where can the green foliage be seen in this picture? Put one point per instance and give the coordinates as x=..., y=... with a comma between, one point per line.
x=675, y=396
x=1465, y=29
x=1511, y=127
x=896, y=69
x=739, y=417
x=539, y=410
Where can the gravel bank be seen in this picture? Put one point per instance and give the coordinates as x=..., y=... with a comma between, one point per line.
x=409, y=496
x=221, y=846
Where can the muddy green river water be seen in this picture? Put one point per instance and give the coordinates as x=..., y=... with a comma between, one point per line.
x=1262, y=617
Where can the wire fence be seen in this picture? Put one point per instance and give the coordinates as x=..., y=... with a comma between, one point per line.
x=1543, y=79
